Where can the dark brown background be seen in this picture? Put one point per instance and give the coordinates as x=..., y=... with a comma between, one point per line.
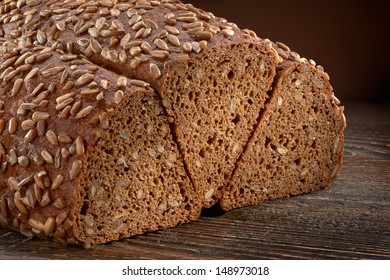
x=350, y=39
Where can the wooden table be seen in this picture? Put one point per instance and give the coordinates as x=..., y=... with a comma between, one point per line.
x=351, y=220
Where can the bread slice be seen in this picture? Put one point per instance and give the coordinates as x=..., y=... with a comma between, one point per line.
x=298, y=144
x=86, y=156
x=212, y=76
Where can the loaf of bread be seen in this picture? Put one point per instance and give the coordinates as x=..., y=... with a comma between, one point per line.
x=122, y=117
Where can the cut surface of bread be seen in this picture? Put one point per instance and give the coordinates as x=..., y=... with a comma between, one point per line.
x=134, y=179
x=216, y=100
x=297, y=147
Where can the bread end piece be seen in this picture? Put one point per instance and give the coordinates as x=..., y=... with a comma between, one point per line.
x=298, y=145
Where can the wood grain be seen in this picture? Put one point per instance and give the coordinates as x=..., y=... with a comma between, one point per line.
x=350, y=220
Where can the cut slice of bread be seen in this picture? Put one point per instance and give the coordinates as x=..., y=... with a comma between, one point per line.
x=298, y=144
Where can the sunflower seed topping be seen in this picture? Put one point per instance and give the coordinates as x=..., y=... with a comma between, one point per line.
x=13, y=126
x=160, y=54
x=75, y=170
x=154, y=71
x=59, y=203
x=80, y=149
x=52, y=137
x=161, y=44
x=84, y=79
x=37, y=116
x=49, y=226
x=57, y=182
x=84, y=112
x=18, y=85
x=47, y=156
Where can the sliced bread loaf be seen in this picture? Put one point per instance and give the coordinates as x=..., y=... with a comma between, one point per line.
x=119, y=118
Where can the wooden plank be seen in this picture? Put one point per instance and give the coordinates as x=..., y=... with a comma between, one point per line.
x=350, y=220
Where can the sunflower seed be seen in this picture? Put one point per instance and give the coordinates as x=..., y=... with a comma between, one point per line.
x=52, y=137
x=154, y=71
x=75, y=108
x=161, y=45
x=41, y=127
x=228, y=32
x=23, y=161
x=37, y=116
x=13, y=126
x=94, y=32
x=174, y=40
x=84, y=112
x=9, y=62
x=35, y=224
x=38, y=160
x=68, y=57
x=80, y=149
x=125, y=39
x=204, y=35
x=31, y=135
x=49, y=226
x=134, y=51
x=59, y=203
x=13, y=183
x=151, y=23
x=18, y=85
x=57, y=182
x=84, y=79
x=187, y=47
x=160, y=54
x=75, y=170
x=186, y=18
x=64, y=103
x=64, y=139
x=19, y=204
x=42, y=57
x=30, y=198
x=172, y=30
x=47, y=156
x=134, y=19
x=31, y=74
x=100, y=22
x=84, y=27
x=135, y=63
x=41, y=37
x=46, y=199
x=139, y=83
